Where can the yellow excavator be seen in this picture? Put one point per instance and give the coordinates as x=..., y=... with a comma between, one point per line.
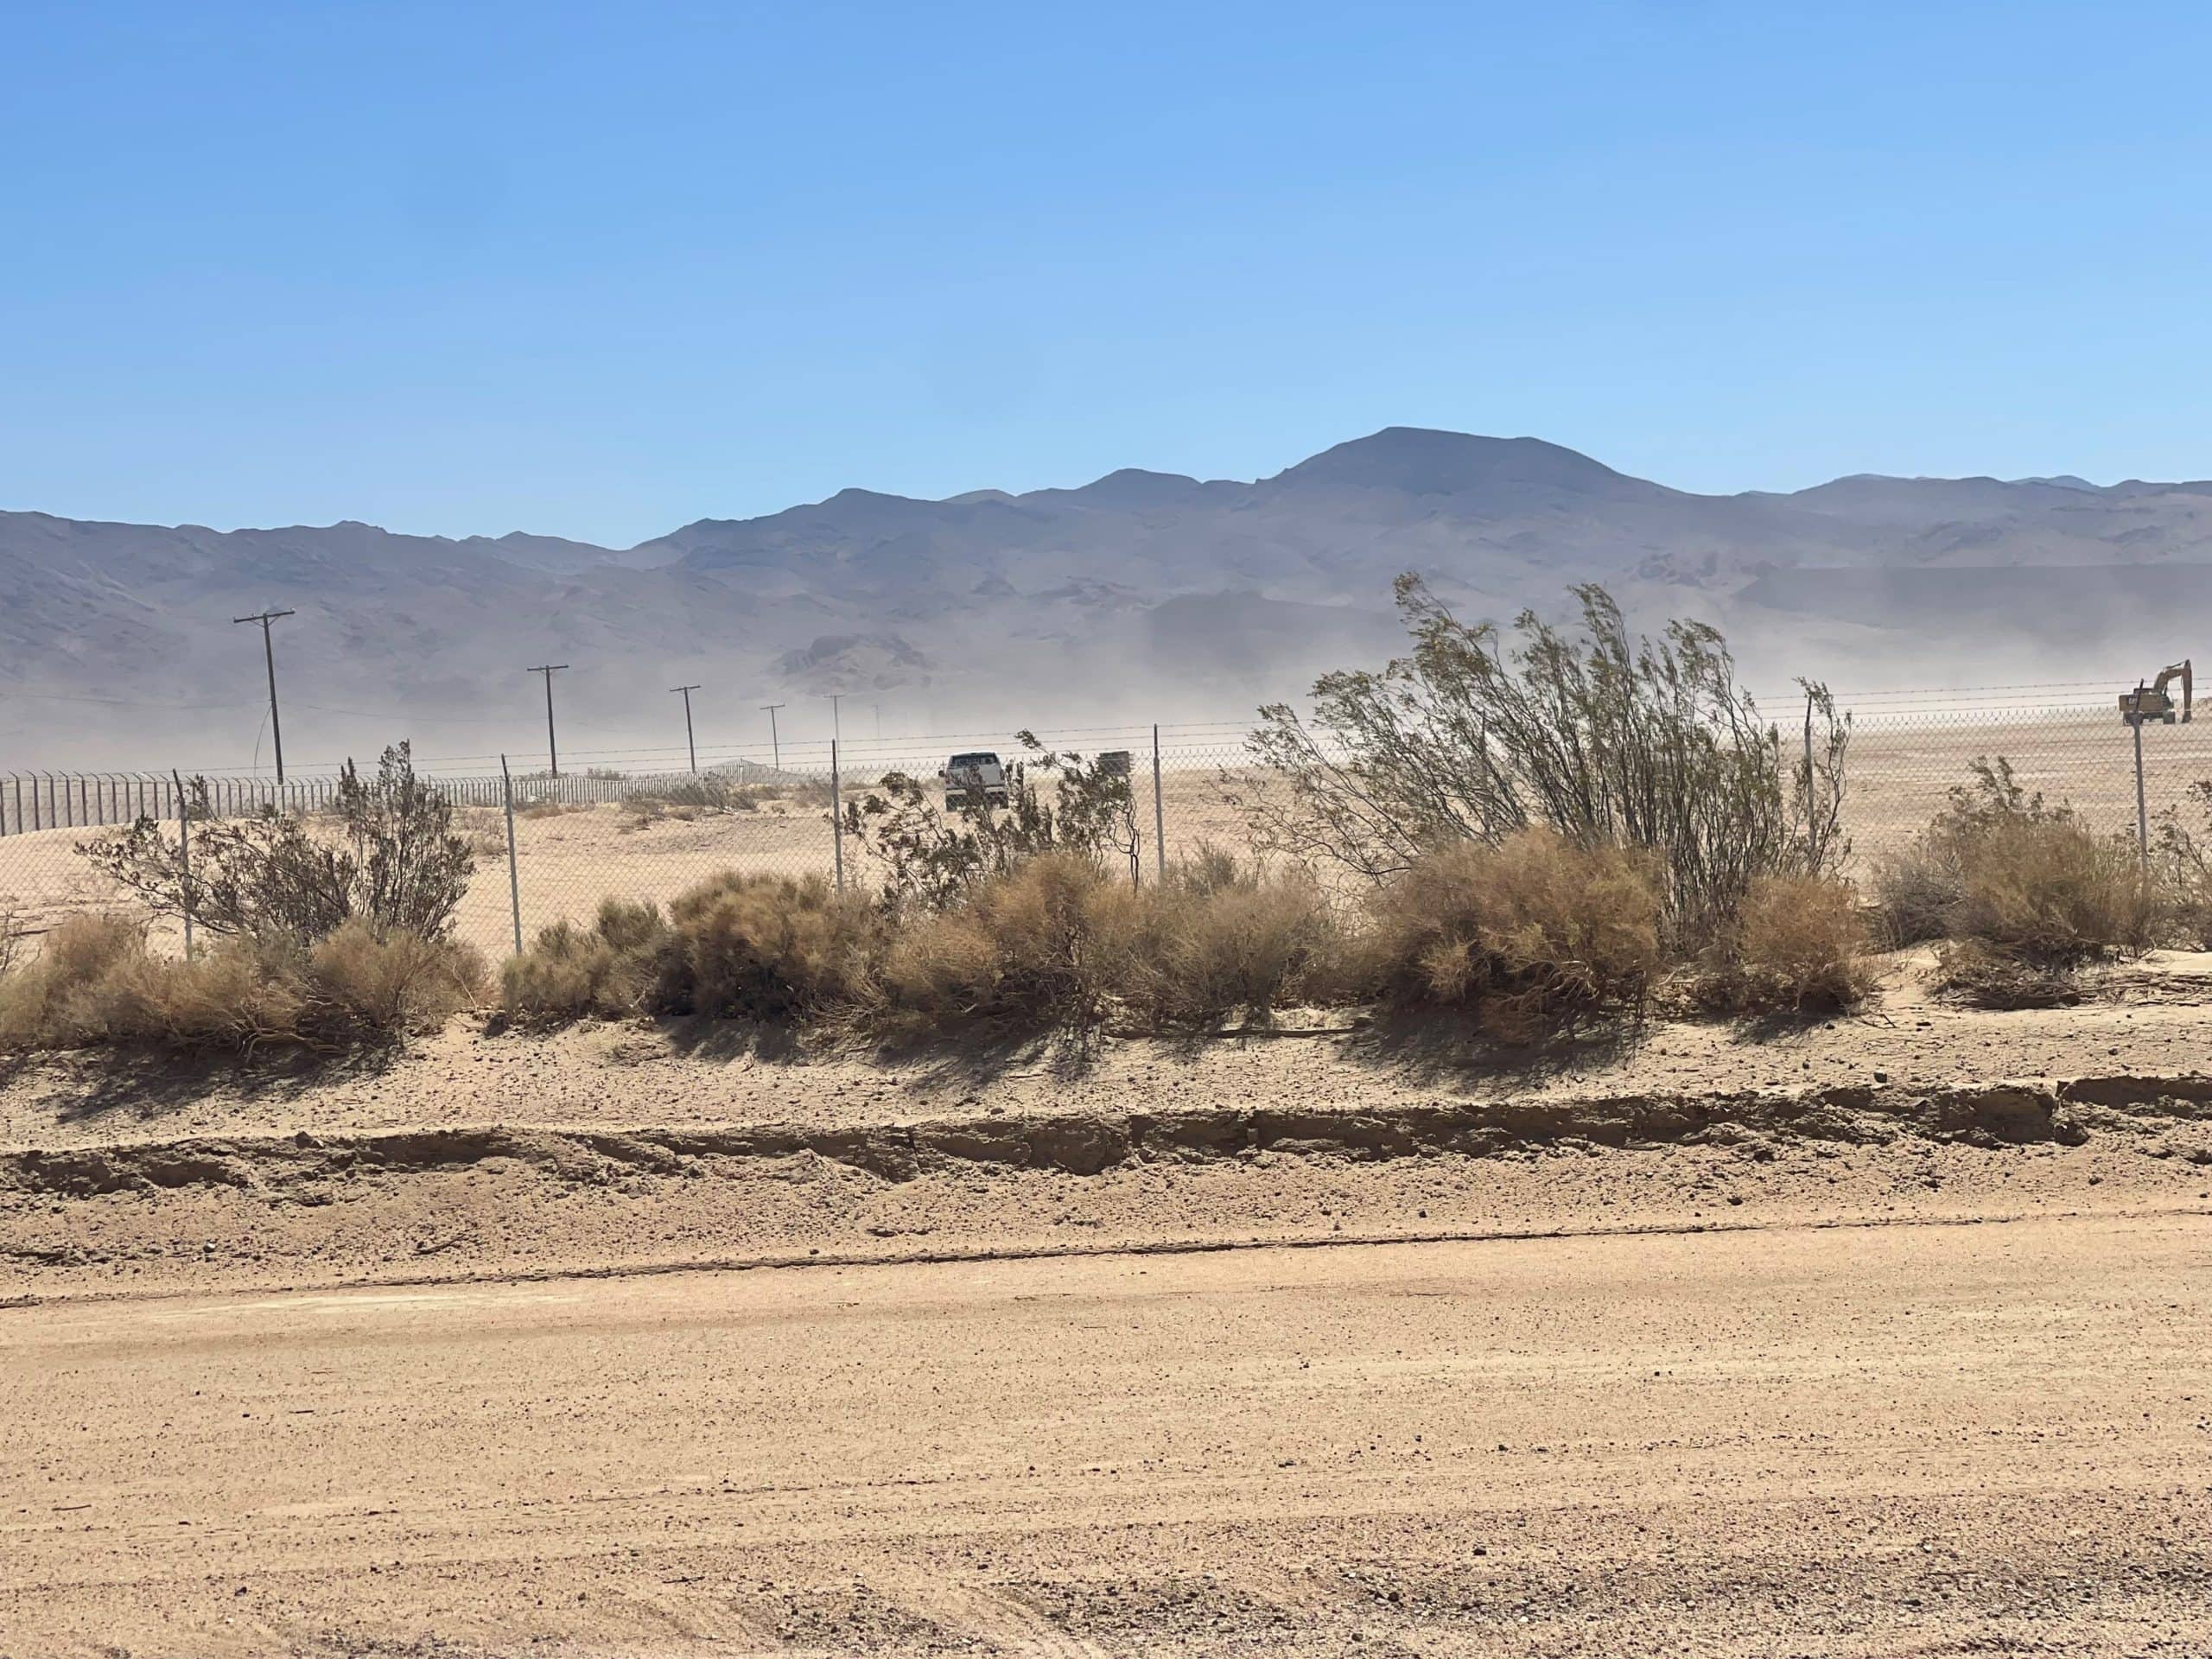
x=2154, y=701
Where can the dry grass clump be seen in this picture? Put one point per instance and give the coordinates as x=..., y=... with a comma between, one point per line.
x=1797, y=945
x=1218, y=940
x=96, y=982
x=1046, y=946
x=1534, y=935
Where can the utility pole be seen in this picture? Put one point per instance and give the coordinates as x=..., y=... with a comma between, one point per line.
x=552, y=753
x=269, y=655
x=837, y=725
x=689, y=742
x=775, y=747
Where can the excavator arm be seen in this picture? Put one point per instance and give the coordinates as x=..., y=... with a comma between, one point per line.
x=2182, y=671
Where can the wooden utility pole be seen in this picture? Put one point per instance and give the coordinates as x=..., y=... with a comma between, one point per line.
x=269, y=656
x=552, y=752
x=689, y=742
x=775, y=746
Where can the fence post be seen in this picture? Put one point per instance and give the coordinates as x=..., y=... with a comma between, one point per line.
x=2142, y=806
x=184, y=857
x=514, y=867
x=836, y=814
x=1158, y=816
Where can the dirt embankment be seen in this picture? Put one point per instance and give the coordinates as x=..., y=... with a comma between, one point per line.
x=492, y=1201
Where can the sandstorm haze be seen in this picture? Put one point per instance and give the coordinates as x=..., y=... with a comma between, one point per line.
x=1139, y=596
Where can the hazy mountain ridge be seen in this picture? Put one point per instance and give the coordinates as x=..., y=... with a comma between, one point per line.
x=1138, y=590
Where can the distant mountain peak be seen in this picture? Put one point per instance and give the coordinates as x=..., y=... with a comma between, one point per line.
x=1424, y=461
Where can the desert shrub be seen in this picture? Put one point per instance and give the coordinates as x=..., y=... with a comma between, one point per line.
x=1218, y=939
x=2014, y=874
x=1607, y=740
x=370, y=984
x=2022, y=891
x=934, y=858
x=2183, y=859
x=1532, y=934
x=2051, y=892
x=1797, y=943
x=396, y=863
x=1043, y=946
x=97, y=984
x=764, y=947
x=40, y=997
x=575, y=973
x=1916, y=894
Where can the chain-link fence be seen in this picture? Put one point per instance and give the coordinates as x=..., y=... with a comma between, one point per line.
x=551, y=847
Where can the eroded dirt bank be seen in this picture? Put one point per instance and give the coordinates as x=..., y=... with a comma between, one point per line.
x=488, y=1202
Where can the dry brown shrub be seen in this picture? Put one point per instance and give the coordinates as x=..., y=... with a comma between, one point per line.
x=764, y=947
x=1797, y=945
x=41, y=1000
x=1534, y=934
x=1916, y=893
x=2050, y=892
x=575, y=973
x=1218, y=940
x=97, y=984
x=1045, y=946
x=390, y=985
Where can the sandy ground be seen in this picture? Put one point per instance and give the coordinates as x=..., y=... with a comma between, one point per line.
x=1916, y=1440
x=1877, y=1337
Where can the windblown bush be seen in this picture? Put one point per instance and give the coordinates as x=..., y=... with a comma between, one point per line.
x=97, y=984
x=1797, y=945
x=1218, y=940
x=1534, y=934
x=1606, y=740
x=1044, y=946
x=397, y=864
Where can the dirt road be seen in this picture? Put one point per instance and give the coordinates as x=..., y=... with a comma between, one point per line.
x=1910, y=1438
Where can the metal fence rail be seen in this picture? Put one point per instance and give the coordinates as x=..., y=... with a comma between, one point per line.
x=650, y=833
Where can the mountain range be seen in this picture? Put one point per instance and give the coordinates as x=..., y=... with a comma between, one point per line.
x=1141, y=595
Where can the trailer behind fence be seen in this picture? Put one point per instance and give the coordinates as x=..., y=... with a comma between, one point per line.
x=550, y=848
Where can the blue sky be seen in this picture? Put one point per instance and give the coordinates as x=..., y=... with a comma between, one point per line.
x=600, y=271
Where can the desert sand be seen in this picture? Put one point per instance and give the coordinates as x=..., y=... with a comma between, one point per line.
x=1879, y=1336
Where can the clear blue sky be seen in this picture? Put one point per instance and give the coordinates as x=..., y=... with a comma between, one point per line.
x=599, y=271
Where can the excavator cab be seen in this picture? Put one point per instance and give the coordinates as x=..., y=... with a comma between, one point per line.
x=2153, y=701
